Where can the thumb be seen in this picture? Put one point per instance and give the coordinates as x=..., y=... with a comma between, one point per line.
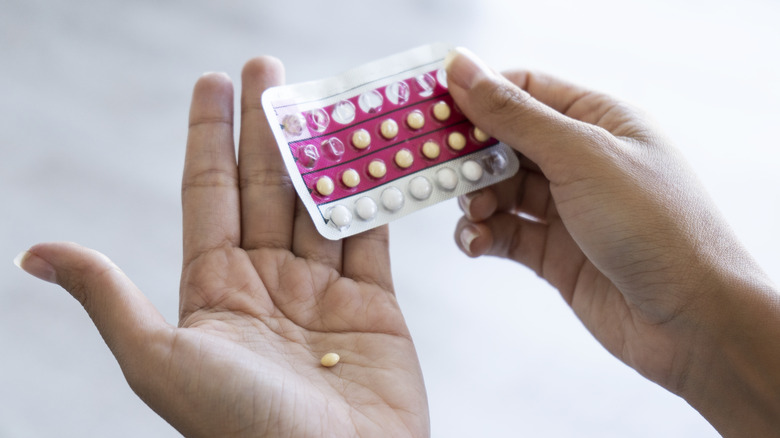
x=515, y=117
x=122, y=314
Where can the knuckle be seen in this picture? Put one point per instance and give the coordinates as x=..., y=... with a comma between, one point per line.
x=503, y=98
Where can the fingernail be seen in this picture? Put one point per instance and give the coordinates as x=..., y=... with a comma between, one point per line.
x=467, y=235
x=465, y=200
x=464, y=68
x=36, y=266
x=206, y=73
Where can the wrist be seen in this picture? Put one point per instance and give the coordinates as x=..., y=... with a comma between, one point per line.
x=733, y=378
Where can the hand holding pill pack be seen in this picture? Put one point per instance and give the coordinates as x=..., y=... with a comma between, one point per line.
x=381, y=141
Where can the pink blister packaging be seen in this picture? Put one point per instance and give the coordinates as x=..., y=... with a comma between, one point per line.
x=381, y=141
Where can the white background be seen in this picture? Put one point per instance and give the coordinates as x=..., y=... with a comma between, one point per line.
x=93, y=115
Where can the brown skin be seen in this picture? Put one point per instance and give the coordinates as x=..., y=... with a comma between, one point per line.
x=609, y=213
x=263, y=297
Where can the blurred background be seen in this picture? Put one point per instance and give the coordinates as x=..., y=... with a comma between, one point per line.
x=94, y=98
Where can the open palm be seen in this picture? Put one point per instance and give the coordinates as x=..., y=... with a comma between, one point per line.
x=263, y=298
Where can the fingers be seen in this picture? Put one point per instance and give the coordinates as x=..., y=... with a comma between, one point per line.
x=309, y=243
x=511, y=114
x=528, y=193
x=210, y=200
x=267, y=194
x=547, y=249
x=123, y=315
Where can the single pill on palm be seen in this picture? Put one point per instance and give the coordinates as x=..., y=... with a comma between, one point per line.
x=377, y=169
x=415, y=119
x=441, y=111
x=361, y=139
x=404, y=158
x=350, y=178
x=389, y=129
x=330, y=359
x=480, y=135
x=456, y=141
x=431, y=149
x=325, y=186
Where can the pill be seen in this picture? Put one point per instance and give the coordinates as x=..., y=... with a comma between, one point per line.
x=350, y=178
x=420, y=188
x=330, y=360
x=389, y=129
x=456, y=141
x=441, y=111
x=480, y=135
x=341, y=217
x=365, y=208
x=431, y=149
x=392, y=199
x=325, y=186
x=447, y=178
x=377, y=169
x=415, y=119
x=471, y=170
x=361, y=139
x=308, y=155
x=404, y=158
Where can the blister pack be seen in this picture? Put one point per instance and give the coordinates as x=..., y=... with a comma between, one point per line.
x=381, y=141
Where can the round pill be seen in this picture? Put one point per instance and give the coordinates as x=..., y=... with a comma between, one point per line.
x=420, y=188
x=325, y=186
x=350, y=178
x=471, y=170
x=404, y=158
x=361, y=139
x=415, y=119
x=456, y=141
x=392, y=199
x=340, y=217
x=389, y=129
x=365, y=208
x=480, y=135
x=441, y=111
x=447, y=178
x=377, y=168
x=431, y=149
x=330, y=360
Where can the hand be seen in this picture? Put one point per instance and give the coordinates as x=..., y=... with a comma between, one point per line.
x=608, y=213
x=263, y=297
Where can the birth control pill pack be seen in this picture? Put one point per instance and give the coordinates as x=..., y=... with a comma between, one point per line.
x=381, y=141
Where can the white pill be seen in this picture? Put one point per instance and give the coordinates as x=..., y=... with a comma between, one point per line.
x=471, y=170
x=447, y=178
x=365, y=208
x=420, y=188
x=392, y=199
x=340, y=217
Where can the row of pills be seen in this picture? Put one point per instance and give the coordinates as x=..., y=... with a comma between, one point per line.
x=419, y=188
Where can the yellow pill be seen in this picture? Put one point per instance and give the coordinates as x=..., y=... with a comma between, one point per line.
x=415, y=120
x=350, y=178
x=480, y=135
x=431, y=149
x=389, y=129
x=361, y=139
x=456, y=141
x=325, y=186
x=441, y=111
x=330, y=360
x=404, y=158
x=377, y=169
